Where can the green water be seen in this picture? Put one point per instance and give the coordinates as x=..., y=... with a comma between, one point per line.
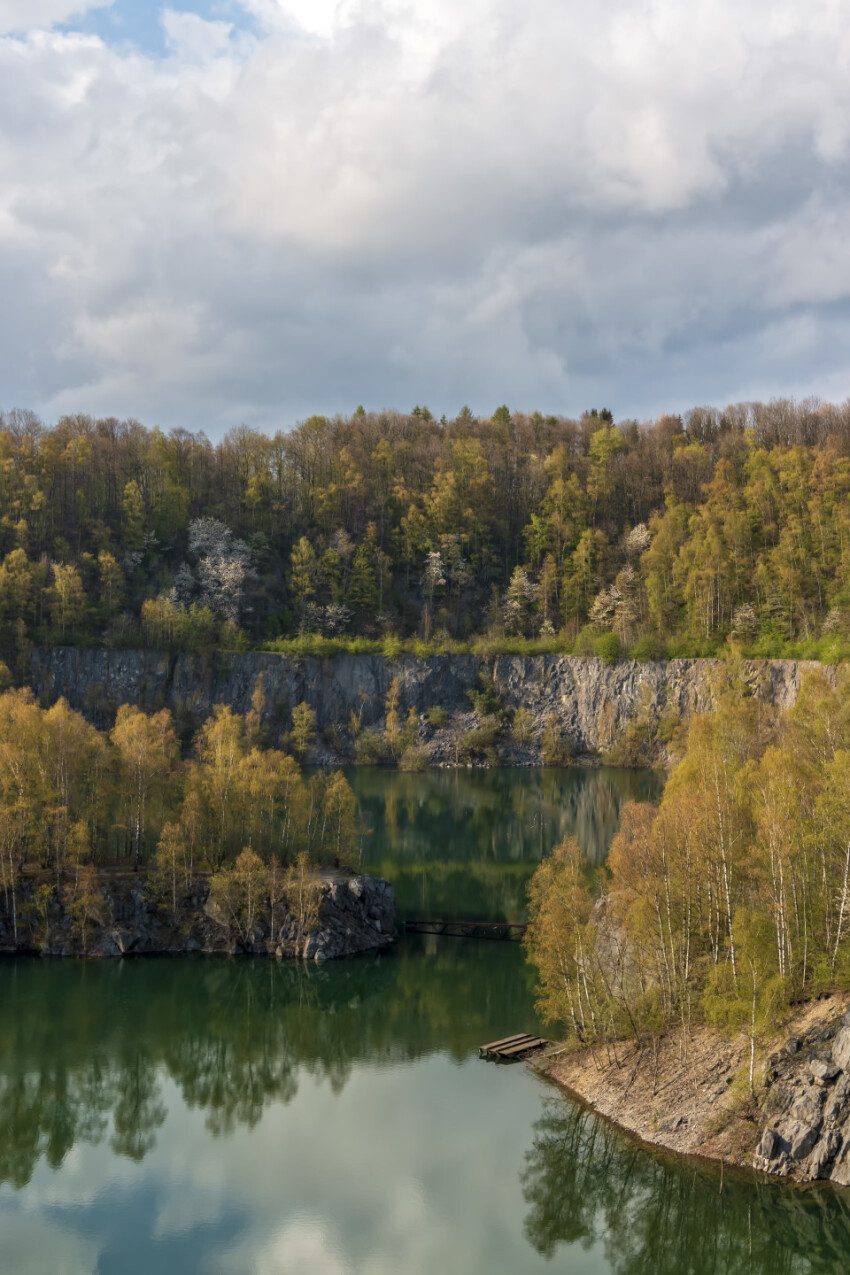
x=462, y=844
x=253, y=1118
x=248, y=1117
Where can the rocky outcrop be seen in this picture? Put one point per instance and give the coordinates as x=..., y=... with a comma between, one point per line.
x=688, y=1091
x=805, y=1131
x=356, y=914
x=593, y=701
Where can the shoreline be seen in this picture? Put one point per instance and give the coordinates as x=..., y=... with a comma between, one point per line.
x=688, y=1094
x=353, y=914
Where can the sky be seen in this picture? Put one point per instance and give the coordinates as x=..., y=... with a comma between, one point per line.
x=228, y=211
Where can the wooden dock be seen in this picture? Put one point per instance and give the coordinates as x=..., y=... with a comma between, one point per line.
x=512, y=1048
x=511, y=931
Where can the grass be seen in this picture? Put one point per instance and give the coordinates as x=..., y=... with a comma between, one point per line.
x=830, y=649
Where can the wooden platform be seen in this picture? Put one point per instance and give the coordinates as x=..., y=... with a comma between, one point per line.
x=512, y=1048
x=512, y=931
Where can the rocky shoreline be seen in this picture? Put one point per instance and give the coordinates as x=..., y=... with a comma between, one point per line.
x=356, y=914
x=691, y=1095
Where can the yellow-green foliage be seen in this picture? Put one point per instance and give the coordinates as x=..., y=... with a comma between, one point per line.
x=729, y=900
x=70, y=795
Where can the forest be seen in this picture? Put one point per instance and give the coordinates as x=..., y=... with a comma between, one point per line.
x=692, y=534
x=75, y=801
x=728, y=901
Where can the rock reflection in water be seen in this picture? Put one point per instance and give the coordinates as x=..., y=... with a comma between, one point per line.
x=464, y=843
x=587, y=1184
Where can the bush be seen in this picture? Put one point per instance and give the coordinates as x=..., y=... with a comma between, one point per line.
x=556, y=748
x=414, y=758
x=648, y=647
x=335, y=737
x=607, y=648
x=522, y=727
x=481, y=740
x=484, y=700
x=393, y=646
x=437, y=717
x=370, y=748
x=585, y=643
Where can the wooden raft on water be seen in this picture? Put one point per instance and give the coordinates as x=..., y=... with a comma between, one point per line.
x=512, y=1048
x=512, y=931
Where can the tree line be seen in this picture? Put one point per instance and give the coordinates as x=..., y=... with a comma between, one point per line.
x=668, y=537
x=725, y=903
x=74, y=799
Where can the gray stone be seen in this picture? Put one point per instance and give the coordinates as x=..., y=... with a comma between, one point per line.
x=822, y=1071
x=770, y=1145
x=841, y=1049
x=575, y=688
x=802, y=1138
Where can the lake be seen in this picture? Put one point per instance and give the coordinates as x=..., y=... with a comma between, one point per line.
x=251, y=1117
x=462, y=844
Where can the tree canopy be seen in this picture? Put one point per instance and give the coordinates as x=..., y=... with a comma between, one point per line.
x=670, y=537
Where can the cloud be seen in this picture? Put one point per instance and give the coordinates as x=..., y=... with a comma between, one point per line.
x=551, y=203
x=30, y=15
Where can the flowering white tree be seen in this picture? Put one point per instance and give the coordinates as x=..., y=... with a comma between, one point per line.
x=222, y=572
x=637, y=541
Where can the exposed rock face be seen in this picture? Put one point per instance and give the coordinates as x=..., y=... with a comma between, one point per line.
x=593, y=701
x=806, y=1117
x=356, y=914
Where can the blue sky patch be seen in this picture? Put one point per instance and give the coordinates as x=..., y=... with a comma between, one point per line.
x=139, y=22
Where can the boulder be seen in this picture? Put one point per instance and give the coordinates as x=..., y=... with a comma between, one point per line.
x=841, y=1048
x=822, y=1071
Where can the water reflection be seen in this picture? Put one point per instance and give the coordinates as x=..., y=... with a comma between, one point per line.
x=84, y=1049
x=586, y=1184
x=244, y=1117
x=464, y=843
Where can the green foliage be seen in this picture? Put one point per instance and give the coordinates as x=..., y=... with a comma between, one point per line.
x=72, y=798
x=303, y=728
x=484, y=699
x=703, y=896
x=555, y=747
x=437, y=716
x=607, y=648
x=414, y=758
x=386, y=533
x=370, y=748
x=522, y=727
x=480, y=742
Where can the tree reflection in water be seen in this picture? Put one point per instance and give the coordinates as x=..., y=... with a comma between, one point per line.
x=84, y=1048
x=587, y=1184
x=458, y=843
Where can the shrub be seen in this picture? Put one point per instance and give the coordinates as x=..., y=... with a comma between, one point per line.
x=648, y=647
x=556, y=748
x=484, y=700
x=522, y=727
x=393, y=647
x=414, y=758
x=370, y=748
x=481, y=739
x=585, y=641
x=607, y=648
x=335, y=737
x=437, y=716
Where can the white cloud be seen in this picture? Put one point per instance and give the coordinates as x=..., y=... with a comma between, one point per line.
x=549, y=202
x=30, y=15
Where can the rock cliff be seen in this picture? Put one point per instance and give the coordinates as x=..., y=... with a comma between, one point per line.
x=689, y=1092
x=593, y=701
x=356, y=914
